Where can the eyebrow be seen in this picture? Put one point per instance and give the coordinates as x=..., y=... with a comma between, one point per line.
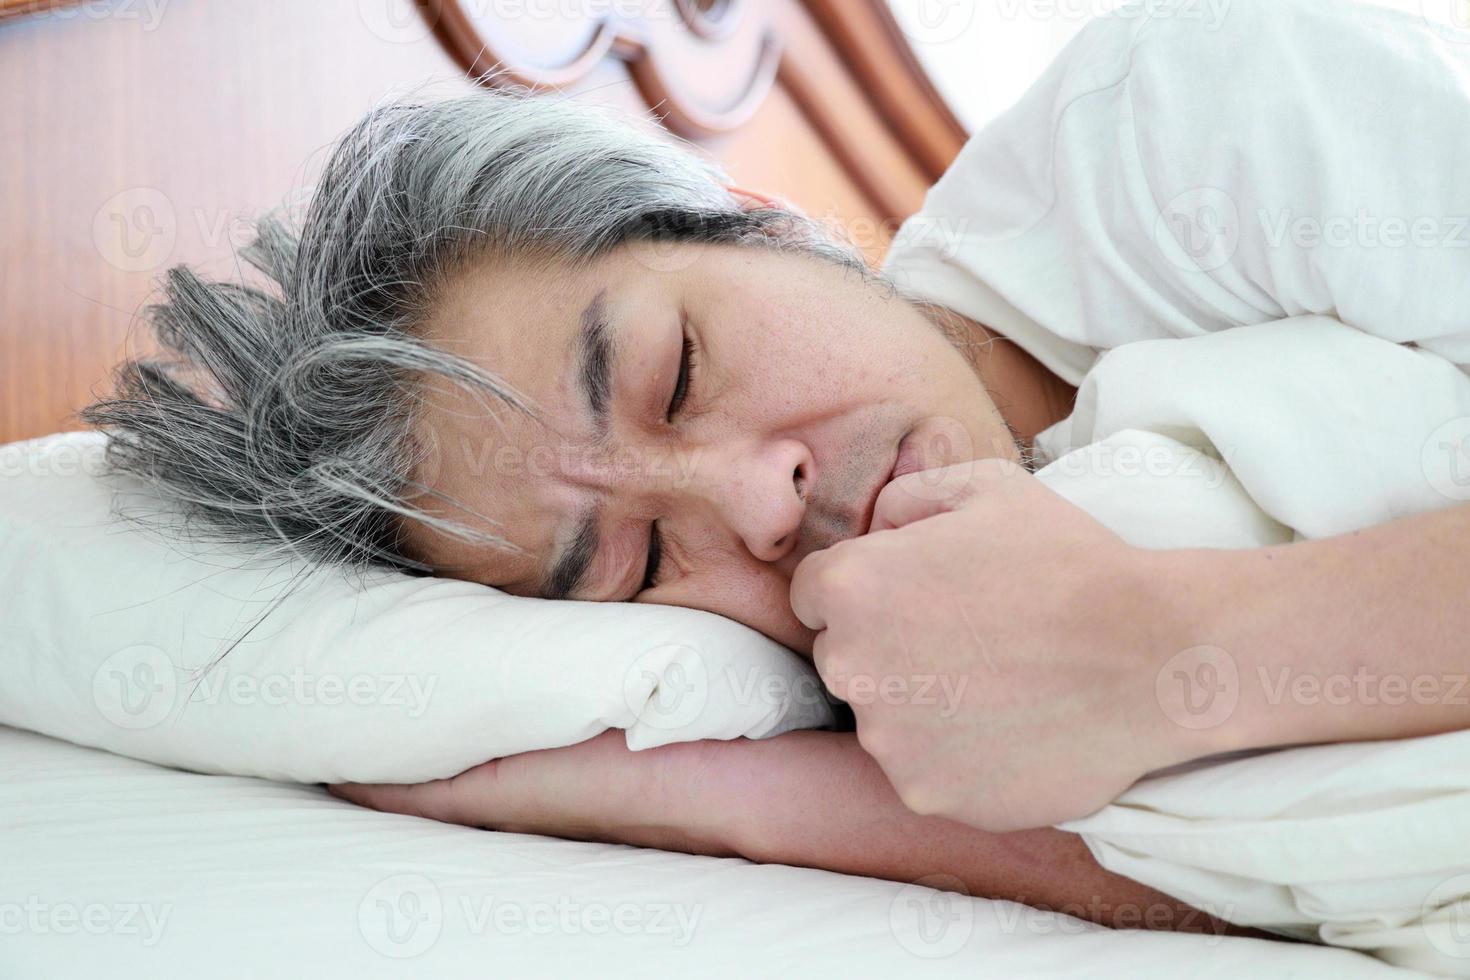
x=595, y=353
x=572, y=564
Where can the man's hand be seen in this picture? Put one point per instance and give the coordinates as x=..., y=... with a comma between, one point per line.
x=998, y=646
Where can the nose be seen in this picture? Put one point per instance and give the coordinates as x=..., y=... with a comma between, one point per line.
x=759, y=490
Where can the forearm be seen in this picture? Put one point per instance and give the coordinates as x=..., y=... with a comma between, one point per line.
x=1357, y=637
x=811, y=799
x=816, y=799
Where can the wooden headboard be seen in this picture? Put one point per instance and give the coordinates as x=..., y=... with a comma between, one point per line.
x=139, y=134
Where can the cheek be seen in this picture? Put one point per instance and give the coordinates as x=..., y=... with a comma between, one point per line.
x=752, y=593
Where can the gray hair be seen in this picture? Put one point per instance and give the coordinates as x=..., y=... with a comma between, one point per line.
x=284, y=417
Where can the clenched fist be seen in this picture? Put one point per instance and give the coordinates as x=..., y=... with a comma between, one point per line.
x=998, y=646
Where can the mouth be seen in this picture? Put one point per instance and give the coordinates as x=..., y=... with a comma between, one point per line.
x=905, y=460
x=908, y=460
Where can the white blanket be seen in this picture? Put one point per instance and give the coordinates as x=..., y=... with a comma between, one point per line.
x=1219, y=172
x=120, y=869
x=1322, y=429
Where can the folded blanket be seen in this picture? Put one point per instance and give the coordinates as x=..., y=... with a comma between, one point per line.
x=1300, y=428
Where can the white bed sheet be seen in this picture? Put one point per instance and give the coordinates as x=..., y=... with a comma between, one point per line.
x=119, y=868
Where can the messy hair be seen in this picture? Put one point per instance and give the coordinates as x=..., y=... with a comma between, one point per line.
x=285, y=416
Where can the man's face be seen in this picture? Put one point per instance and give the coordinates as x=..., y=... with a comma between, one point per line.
x=740, y=407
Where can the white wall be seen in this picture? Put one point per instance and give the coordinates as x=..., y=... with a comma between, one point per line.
x=983, y=54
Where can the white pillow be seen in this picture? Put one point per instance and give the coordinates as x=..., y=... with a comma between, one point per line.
x=111, y=630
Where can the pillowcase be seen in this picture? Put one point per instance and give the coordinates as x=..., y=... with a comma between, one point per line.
x=184, y=652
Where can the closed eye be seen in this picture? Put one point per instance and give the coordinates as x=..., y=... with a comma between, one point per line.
x=681, y=385
x=655, y=558
x=687, y=361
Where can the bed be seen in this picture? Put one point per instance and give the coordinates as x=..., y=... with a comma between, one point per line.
x=143, y=134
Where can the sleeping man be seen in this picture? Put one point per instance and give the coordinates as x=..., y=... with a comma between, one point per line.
x=520, y=343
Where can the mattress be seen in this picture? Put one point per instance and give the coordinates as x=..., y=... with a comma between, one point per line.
x=119, y=868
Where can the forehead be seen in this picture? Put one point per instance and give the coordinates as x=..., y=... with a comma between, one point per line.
x=518, y=321
x=524, y=323
x=512, y=318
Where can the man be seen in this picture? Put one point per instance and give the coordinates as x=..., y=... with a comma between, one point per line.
x=696, y=421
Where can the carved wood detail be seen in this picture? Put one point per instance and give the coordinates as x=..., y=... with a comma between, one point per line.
x=225, y=112
x=703, y=66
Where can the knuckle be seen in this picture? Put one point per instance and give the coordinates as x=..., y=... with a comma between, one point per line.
x=869, y=738
x=828, y=656
x=919, y=797
x=833, y=678
x=875, y=738
x=842, y=577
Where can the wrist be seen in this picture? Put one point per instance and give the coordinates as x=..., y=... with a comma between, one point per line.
x=757, y=794
x=807, y=798
x=688, y=796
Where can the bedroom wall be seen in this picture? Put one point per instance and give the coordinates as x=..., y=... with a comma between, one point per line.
x=139, y=134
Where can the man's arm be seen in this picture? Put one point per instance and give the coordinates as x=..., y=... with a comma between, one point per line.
x=811, y=799
x=823, y=802
x=1356, y=637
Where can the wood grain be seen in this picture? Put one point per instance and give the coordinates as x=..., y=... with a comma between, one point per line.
x=137, y=137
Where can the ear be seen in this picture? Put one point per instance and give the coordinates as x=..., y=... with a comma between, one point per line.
x=750, y=199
